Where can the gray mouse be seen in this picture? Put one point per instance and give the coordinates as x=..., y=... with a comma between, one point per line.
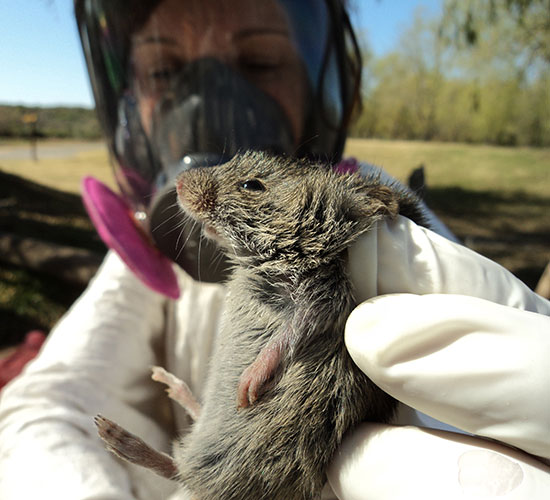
x=282, y=390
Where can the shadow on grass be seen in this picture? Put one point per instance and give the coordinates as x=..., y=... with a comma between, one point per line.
x=15, y=326
x=510, y=216
x=460, y=202
x=32, y=210
x=511, y=228
x=31, y=300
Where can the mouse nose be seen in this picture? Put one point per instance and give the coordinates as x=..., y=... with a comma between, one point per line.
x=181, y=183
x=197, y=191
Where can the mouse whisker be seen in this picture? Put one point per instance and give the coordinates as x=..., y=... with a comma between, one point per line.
x=199, y=257
x=165, y=221
x=170, y=207
x=186, y=239
x=217, y=261
x=181, y=224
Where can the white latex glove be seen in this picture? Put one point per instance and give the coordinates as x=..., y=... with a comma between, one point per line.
x=460, y=339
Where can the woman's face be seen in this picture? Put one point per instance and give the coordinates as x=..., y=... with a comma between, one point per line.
x=251, y=36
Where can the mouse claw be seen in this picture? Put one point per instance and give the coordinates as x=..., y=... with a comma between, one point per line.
x=117, y=439
x=249, y=388
x=133, y=449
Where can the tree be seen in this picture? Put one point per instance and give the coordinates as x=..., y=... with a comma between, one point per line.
x=492, y=88
x=465, y=21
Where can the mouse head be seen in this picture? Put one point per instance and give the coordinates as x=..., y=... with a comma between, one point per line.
x=265, y=208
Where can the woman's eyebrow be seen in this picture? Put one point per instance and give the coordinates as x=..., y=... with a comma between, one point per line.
x=261, y=31
x=139, y=41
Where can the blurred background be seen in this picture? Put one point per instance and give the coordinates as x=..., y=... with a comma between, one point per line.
x=456, y=102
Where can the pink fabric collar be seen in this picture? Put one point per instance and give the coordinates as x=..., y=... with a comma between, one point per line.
x=112, y=218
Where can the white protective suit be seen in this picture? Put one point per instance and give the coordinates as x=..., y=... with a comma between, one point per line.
x=97, y=360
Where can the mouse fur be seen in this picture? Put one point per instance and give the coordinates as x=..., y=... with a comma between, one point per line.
x=286, y=226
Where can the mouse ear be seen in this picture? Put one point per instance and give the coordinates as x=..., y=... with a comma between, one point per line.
x=371, y=199
x=372, y=202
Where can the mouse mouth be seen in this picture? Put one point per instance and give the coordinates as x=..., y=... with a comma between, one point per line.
x=193, y=217
x=210, y=232
x=207, y=228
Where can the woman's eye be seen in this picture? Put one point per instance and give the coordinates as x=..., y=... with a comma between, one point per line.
x=164, y=75
x=259, y=66
x=259, y=61
x=158, y=79
x=252, y=185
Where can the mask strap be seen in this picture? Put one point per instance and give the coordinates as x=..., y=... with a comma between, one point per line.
x=112, y=219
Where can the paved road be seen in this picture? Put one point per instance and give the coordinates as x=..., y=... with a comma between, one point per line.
x=22, y=151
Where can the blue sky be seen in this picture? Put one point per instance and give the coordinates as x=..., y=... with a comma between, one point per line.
x=41, y=61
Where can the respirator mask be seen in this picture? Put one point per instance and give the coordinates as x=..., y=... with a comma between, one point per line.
x=201, y=114
x=208, y=114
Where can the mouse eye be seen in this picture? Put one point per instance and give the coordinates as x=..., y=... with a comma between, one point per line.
x=252, y=185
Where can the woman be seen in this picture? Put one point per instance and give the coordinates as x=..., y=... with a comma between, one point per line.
x=182, y=83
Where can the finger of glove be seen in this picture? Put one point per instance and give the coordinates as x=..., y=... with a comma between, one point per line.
x=385, y=462
x=476, y=365
x=402, y=257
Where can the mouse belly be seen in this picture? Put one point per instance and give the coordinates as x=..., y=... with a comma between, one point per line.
x=279, y=448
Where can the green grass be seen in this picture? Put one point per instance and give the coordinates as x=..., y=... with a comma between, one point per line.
x=62, y=173
x=470, y=167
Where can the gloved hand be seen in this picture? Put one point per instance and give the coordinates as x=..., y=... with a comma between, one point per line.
x=458, y=338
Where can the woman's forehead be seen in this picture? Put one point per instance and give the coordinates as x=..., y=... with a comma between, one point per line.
x=171, y=18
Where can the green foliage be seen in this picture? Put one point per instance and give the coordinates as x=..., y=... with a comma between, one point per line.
x=59, y=122
x=495, y=90
x=526, y=22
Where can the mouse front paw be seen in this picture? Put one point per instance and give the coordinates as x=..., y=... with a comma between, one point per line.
x=178, y=390
x=254, y=381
